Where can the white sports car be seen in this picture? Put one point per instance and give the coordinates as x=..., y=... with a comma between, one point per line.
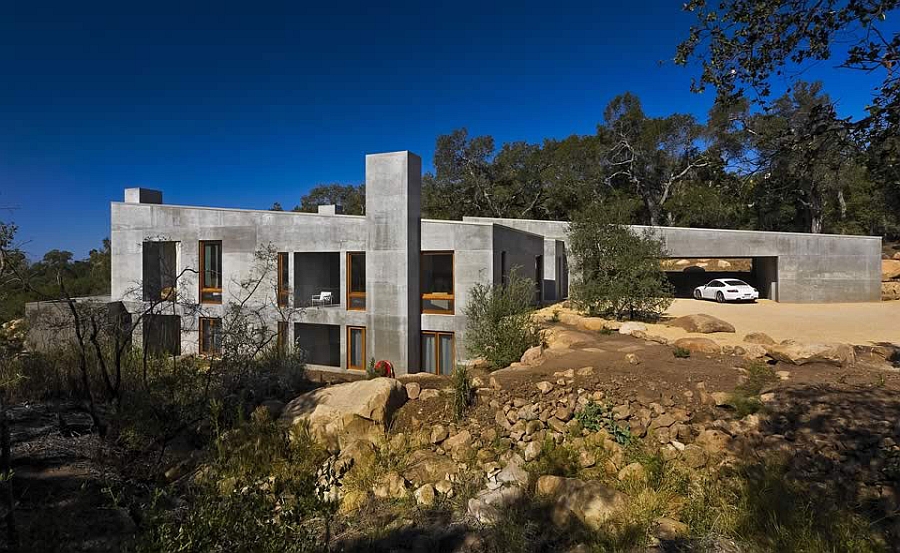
x=726, y=289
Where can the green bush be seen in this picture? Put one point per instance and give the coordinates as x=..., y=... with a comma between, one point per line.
x=500, y=327
x=617, y=270
x=594, y=417
x=681, y=353
x=462, y=391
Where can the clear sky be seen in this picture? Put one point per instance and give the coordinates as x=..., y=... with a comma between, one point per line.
x=243, y=104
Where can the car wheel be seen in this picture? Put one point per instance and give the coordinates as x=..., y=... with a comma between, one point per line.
x=720, y=297
x=698, y=295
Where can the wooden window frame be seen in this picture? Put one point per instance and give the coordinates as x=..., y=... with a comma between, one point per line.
x=203, y=288
x=350, y=330
x=350, y=294
x=439, y=296
x=284, y=288
x=200, y=348
x=437, y=348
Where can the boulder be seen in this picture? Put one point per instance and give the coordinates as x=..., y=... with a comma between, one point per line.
x=532, y=355
x=460, y=440
x=759, y=338
x=429, y=393
x=590, y=502
x=487, y=506
x=634, y=472
x=702, y=323
x=425, y=495
x=390, y=486
x=896, y=256
x=427, y=467
x=438, y=433
x=544, y=386
x=713, y=442
x=669, y=529
x=890, y=269
x=360, y=409
x=532, y=451
x=631, y=327
x=694, y=456
x=798, y=353
x=890, y=291
x=632, y=359
x=698, y=345
x=413, y=389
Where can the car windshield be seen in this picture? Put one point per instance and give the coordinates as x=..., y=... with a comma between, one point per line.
x=736, y=283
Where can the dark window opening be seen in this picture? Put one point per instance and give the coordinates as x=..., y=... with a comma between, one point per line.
x=284, y=282
x=356, y=281
x=162, y=334
x=317, y=279
x=159, y=271
x=210, y=336
x=320, y=343
x=437, y=282
x=211, y=271
x=356, y=348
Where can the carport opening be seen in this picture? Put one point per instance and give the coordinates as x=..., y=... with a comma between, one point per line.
x=686, y=273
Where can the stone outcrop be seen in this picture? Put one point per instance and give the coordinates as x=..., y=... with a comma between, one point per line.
x=701, y=323
x=631, y=327
x=890, y=291
x=347, y=411
x=800, y=354
x=590, y=502
x=760, y=338
x=698, y=345
x=890, y=269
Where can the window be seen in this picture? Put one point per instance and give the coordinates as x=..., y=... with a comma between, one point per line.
x=504, y=269
x=437, y=282
x=284, y=282
x=320, y=343
x=210, y=271
x=281, y=338
x=437, y=352
x=158, y=270
x=356, y=281
x=210, y=336
x=356, y=348
x=539, y=278
x=162, y=334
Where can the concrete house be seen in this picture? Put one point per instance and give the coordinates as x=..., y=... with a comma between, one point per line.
x=391, y=285
x=387, y=285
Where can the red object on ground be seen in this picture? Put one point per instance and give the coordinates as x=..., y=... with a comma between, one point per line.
x=384, y=368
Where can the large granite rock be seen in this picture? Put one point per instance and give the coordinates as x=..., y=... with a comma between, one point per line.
x=589, y=501
x=890, y=269
x=698, y=345
x=344, y=412
x=702, y=323
x=800, y=354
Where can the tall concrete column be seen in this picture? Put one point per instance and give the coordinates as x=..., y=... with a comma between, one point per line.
x=393, y=221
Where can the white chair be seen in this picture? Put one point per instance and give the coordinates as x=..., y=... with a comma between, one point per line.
x=322, y=298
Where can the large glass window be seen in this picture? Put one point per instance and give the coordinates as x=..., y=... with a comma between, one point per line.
x=437, y=282
x=211, y=271
x=210, y=336
x=356, y=347
x=159, y=270
x=437, y=352
x=284, y=283
x=356, y=281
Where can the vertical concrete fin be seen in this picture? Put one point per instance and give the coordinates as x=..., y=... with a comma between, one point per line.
x=393, y=223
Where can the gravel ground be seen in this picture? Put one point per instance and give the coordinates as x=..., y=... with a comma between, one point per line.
x=854, y=323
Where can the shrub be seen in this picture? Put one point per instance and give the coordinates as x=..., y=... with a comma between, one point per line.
x=462, y=391
x=745, y=398
x=617, y=270
x=557, y=460
x=595, y=417
x=500, y=327
x=681, y=353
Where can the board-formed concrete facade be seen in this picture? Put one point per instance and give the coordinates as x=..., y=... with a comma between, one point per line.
x=388, y=312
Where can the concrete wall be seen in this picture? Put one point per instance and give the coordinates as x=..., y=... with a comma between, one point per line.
x=810, y=267
x=393, y=222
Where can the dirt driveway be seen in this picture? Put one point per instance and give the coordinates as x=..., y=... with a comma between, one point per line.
x=855, y=323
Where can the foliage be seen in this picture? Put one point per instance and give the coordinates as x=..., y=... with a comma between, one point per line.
x=462, y=391
x=499, y=327
x=745, y=398
x=257, y=494
x=595, y=417
x=556, y=459
x=351, y=197
x=681, y=353
x=617, y=270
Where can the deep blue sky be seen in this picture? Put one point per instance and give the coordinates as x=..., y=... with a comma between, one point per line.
x=240, y=105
